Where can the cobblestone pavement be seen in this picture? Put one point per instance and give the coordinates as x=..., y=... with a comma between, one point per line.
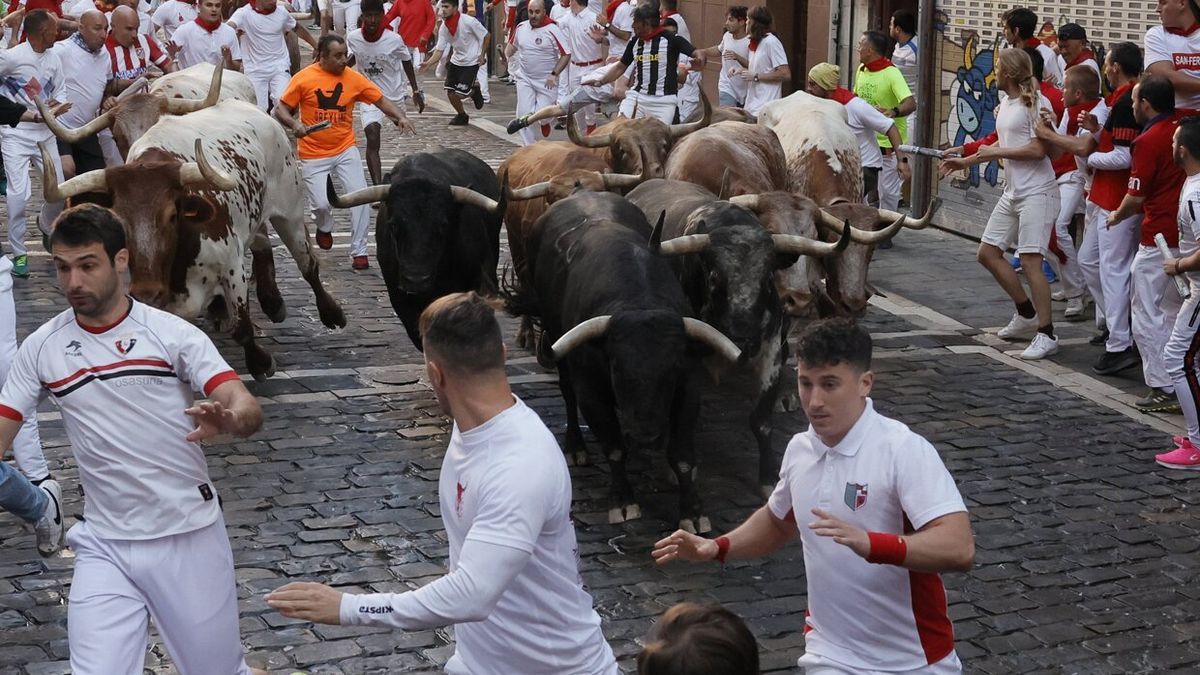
x=1085, y=547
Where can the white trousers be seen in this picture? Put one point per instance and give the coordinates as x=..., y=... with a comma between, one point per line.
x=532, y=95
x=1155, y=304
x=1071, y=192
x=347, y=166
x=889, y=184
x=481, y=78
x=1179, y=357
x=27, y=446
x=814, y=664
x=638, y=105
x=184, y=581
x=1088, y=253
x=586, y=116
x=345, y=15
x=268, y=87
x=20, y=149
x=1107, y=273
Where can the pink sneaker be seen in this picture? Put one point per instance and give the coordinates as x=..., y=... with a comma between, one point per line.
x=1186, y=457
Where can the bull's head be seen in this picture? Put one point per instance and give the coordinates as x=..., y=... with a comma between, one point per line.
x=639, y=146
x=422, y=217
x=846, y=275
x=134, y=112
x=156, y=196
x=569, y=182
x=646, y=354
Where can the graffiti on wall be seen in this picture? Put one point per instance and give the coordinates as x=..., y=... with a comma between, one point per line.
x=969, y=85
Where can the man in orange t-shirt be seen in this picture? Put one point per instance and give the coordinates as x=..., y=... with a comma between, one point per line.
x=326, y=91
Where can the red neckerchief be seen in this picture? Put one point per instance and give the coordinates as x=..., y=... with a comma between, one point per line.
x=1083, y=56
x=1073, y=115
x=878, y=64
x=653, y=34
x=452, y=23
x=611, y=10
x=665, y=14
x=1032, y=42
x=255, y=8
x=374, y=38
x=842, y=95
x=754, y=43
x=1183, y=31
x=1118, y=93
x=210, y=27
x=545, y=22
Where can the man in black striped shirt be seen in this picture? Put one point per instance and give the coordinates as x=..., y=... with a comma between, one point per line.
x=654, y=77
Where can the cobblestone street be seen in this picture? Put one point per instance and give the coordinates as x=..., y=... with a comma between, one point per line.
x=1086, y=548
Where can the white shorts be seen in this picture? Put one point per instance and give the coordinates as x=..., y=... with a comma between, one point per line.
x=371, y=114
x=1024, y=221
x=661, y=107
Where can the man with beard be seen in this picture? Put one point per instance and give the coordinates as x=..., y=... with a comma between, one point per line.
x=544, y=56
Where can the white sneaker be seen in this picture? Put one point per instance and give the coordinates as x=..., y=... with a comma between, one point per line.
x=49, y=528
x=1075, y=307
x=1059, y=295
x=1042, y=346
x=1019, y=327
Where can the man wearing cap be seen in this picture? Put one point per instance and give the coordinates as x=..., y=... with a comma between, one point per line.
x=1173, y=51
x=1073, y=48
x=881, y=84
x=864, y=120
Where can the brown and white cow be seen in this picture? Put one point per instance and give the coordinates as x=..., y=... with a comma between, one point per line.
x=197, y=191
x=637, y=146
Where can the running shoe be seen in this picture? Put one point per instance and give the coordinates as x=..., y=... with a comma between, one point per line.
x=1111, y=363
x=1186, y=457
x=460, y=120
x=1042, y=346
x=1157, y=400
x=360, y=262
x=517, y=124
x=1059, y=295
x=1075, y=308
x=477, y=97
x=1019, y=327
x=1016, y=263
x=49, y=528
x=324, y=240
x=1047, y=270
x=1099, y=339
x=21, y=266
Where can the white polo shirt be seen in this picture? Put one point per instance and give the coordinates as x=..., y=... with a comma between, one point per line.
x=467, y=40
x=882, y=477
x=382, y=61
x=583, y=48
x=171, y=15
x=86, y=76
x=266, y=52
x=122, y=392
x=1189, y=226
x=539, y=49
x=622, y=20
x=203, y=46
x=1182, y=52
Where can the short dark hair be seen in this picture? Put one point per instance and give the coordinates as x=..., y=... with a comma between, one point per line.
x=372, y=6
x=738, y=12
x=1128, y=57
x=1036, y=60
x=582, y=3
x=762, y=15
x=89, y=224
x=648, y=15
x=36, y=20
x=326, y=40
x=461, y=328
x=829, y=342
x=905, y=20
x=1158, y=92
x=878, y=41
x=1022, y=20
x=1189, y=135
x=694, y=639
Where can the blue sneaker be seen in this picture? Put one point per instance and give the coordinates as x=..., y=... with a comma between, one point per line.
x=1051, y=277
x=1016, y=263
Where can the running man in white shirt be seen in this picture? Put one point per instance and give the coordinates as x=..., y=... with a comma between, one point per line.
x=544, y=56
x=733, y=51
x=172, y=14
x=469, y=41
x=153, y=544
x=207, y=39
x=766, y=69
x=878, y=515
x=587, y=54
x=514, y=591
x=264, y=26
x=87, y=80
x=1173, y=51
x=380, y=54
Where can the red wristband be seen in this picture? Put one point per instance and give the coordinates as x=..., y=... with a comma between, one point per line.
x=887, y=549
x=722, y=549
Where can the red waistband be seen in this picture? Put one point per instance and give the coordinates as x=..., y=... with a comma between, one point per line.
x=582, y=64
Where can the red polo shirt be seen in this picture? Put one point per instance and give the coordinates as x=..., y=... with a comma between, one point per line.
x=1154, y=176
x=1108, y=187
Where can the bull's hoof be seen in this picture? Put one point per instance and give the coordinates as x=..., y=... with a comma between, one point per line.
x=576, y=457
x=620, y=514
x=331, y=313
x=699, y=525
x=277, y=314
x=788, y=402
x=261, y=365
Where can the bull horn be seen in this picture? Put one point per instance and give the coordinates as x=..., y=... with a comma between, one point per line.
x=367, y=195
x=745, y=201
x=52, y=191
x=531, y=191
x=469, y=197
x=797, y=245
x=613, y=181
x=202, y=173
x=581, y=333
x=877, y=236
x=72, y=135
x=680, y=130
x=698, y=330
x=590, y=141
x=182, y=106
x=136, y=86
x=726, y=190
x=688, y=243
x=909, y=221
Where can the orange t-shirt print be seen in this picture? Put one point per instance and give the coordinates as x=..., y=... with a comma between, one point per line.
x=322, y=96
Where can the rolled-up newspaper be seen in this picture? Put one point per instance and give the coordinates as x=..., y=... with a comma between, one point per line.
x=928, y=152
x=1181, y=284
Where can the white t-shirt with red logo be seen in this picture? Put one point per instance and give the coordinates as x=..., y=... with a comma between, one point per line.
x=264, y=49
x=881, y=477
x=540, y=49
x=122, y=392
x=1182, y=52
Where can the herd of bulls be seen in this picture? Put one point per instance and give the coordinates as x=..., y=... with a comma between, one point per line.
x=646, y=254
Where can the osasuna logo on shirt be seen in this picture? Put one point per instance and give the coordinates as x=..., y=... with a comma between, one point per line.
x=856, y=496
x=74, y=348
x=458, y=501
x=125, y=344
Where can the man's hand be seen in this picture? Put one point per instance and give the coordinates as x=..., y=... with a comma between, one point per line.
x=887, y=112
x=299, y=130
x=308, y=601
x=212, y=419
x=403, y=124
x=950, y=165
x=597, y=33
x=590, y=80
x=424, y=65
x=482, y=58
x=683, y=545
x=105, y=105
x=842, y=532
x=173, y=49
x=988, y=153
x=904, y=168
x=1111, y=220
x=1169, y=266
x=419, y=100
x=552, y=81
x=1088, y=121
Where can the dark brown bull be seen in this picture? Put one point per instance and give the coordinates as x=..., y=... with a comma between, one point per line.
x=637, y=146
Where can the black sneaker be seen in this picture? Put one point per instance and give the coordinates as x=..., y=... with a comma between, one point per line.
x=518, y=124
x=1157, y=401
x=460, y=120
x=1111, y=363
x=477, y=97
x=1099, y=339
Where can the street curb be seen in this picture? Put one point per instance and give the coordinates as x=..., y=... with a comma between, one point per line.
x=484, y=125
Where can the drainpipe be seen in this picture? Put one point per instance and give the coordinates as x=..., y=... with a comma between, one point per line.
x=928, y=81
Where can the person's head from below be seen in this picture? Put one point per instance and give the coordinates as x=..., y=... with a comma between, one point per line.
x=463, y=347
x=372, y=17
x=93, y=29
x=125, y=22
x=872, y=46
x=90, y=258
x=331, y=53
x=833, y=374
x=646, y=20
x=1186, y=144
x=1019, y=25
x=736, y=18
x=903, y=24
x=1081, y=84
x=694, y=639
x=209, y=10
x=1153, y=96
x=447, y=8
x=537, y=12
x=761, y=22
x=823, y=79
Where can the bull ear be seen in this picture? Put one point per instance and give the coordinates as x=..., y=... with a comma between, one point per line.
x=194, y=209
x=656, y=233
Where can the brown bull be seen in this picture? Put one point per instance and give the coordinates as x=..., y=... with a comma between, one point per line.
x=637, y=146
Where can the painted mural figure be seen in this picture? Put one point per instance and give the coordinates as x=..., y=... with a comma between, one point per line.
x=975, y=105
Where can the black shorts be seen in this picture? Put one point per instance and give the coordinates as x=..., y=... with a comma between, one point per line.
x=87, y=154
x=460, y=79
